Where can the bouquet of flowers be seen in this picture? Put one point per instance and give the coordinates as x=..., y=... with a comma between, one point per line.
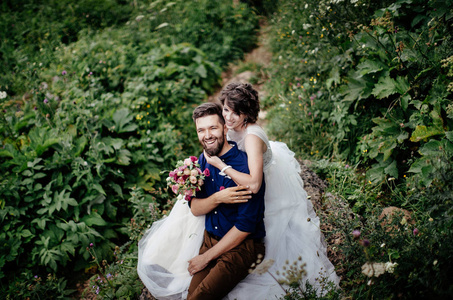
x=187, y=178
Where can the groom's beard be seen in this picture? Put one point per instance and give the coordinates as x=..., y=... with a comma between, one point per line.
x=215, y=149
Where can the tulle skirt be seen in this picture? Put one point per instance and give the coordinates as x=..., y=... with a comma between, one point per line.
x=292, y=232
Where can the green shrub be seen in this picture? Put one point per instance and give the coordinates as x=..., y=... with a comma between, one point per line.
x=86, y=121
x=364, y=87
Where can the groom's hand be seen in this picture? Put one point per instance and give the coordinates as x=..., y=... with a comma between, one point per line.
x=197, y=264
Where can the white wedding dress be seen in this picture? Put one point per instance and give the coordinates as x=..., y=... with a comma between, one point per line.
x=170, y=243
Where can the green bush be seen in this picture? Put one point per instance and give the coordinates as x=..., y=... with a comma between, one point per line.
x=87, y=121
x=368, y=95
x=338, y=67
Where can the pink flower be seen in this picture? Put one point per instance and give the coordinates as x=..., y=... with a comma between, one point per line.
x=187, y=161
x=188, y=193
x=193, y=179
x=194, y=159
x=175, y=188
x=186, y=172
x=194, y=172
x=200, y=182
x=181, y=181
x=206, y=172
x=221, y=188
x=415, y=232
x=356, y=234
x=199, y=171
x=172, y=174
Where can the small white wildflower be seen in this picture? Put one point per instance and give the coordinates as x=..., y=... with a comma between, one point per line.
x=306, y=5
x=382, y=245
x=85, y=163
x=138, y=18
x=390, y=267
x=435, y=262
x=292, y=32
x=391, y=179
x=3, y=95
x=363, y=45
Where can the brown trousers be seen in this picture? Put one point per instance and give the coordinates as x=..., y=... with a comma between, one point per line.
x=224, y=273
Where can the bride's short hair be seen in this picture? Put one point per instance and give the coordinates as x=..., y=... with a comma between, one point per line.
x=243, y=99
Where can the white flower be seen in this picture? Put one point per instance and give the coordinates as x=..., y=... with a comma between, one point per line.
x=435, y=262
x=382, y=245
x=306, y=6
x=390, y=267
x=3, y=95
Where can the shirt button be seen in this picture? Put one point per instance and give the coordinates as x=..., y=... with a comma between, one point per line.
x=215, y=227
x=215, y=212
x=212, y=179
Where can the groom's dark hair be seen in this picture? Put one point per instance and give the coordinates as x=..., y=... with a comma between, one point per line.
x=208, y=109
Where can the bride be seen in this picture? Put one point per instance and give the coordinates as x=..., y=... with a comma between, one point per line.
x=292, y=227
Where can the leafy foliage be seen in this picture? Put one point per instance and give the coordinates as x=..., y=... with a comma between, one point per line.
x=386, y=71
x=100, y=111
x=364, y=87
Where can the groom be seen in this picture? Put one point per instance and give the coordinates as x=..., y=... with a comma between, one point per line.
x=234, y=235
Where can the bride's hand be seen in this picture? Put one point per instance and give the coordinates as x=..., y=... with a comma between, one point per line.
x=234, y=195
x=214, y=161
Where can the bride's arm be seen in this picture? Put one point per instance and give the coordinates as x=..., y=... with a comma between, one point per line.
x=255, y=147
x=231, y=195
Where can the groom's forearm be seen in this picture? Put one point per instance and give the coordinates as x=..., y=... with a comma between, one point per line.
x=232, y=239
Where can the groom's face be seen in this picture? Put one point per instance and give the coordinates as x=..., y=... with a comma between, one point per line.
x=211, y=134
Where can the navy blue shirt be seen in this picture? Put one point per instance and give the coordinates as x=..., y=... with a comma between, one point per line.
x=248, y=216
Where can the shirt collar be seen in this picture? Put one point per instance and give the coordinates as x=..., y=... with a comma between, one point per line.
x=232, y=153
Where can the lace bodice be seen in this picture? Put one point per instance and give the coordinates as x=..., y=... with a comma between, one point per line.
x=239, y=138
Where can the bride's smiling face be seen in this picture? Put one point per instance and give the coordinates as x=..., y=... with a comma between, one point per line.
x=233, y=120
